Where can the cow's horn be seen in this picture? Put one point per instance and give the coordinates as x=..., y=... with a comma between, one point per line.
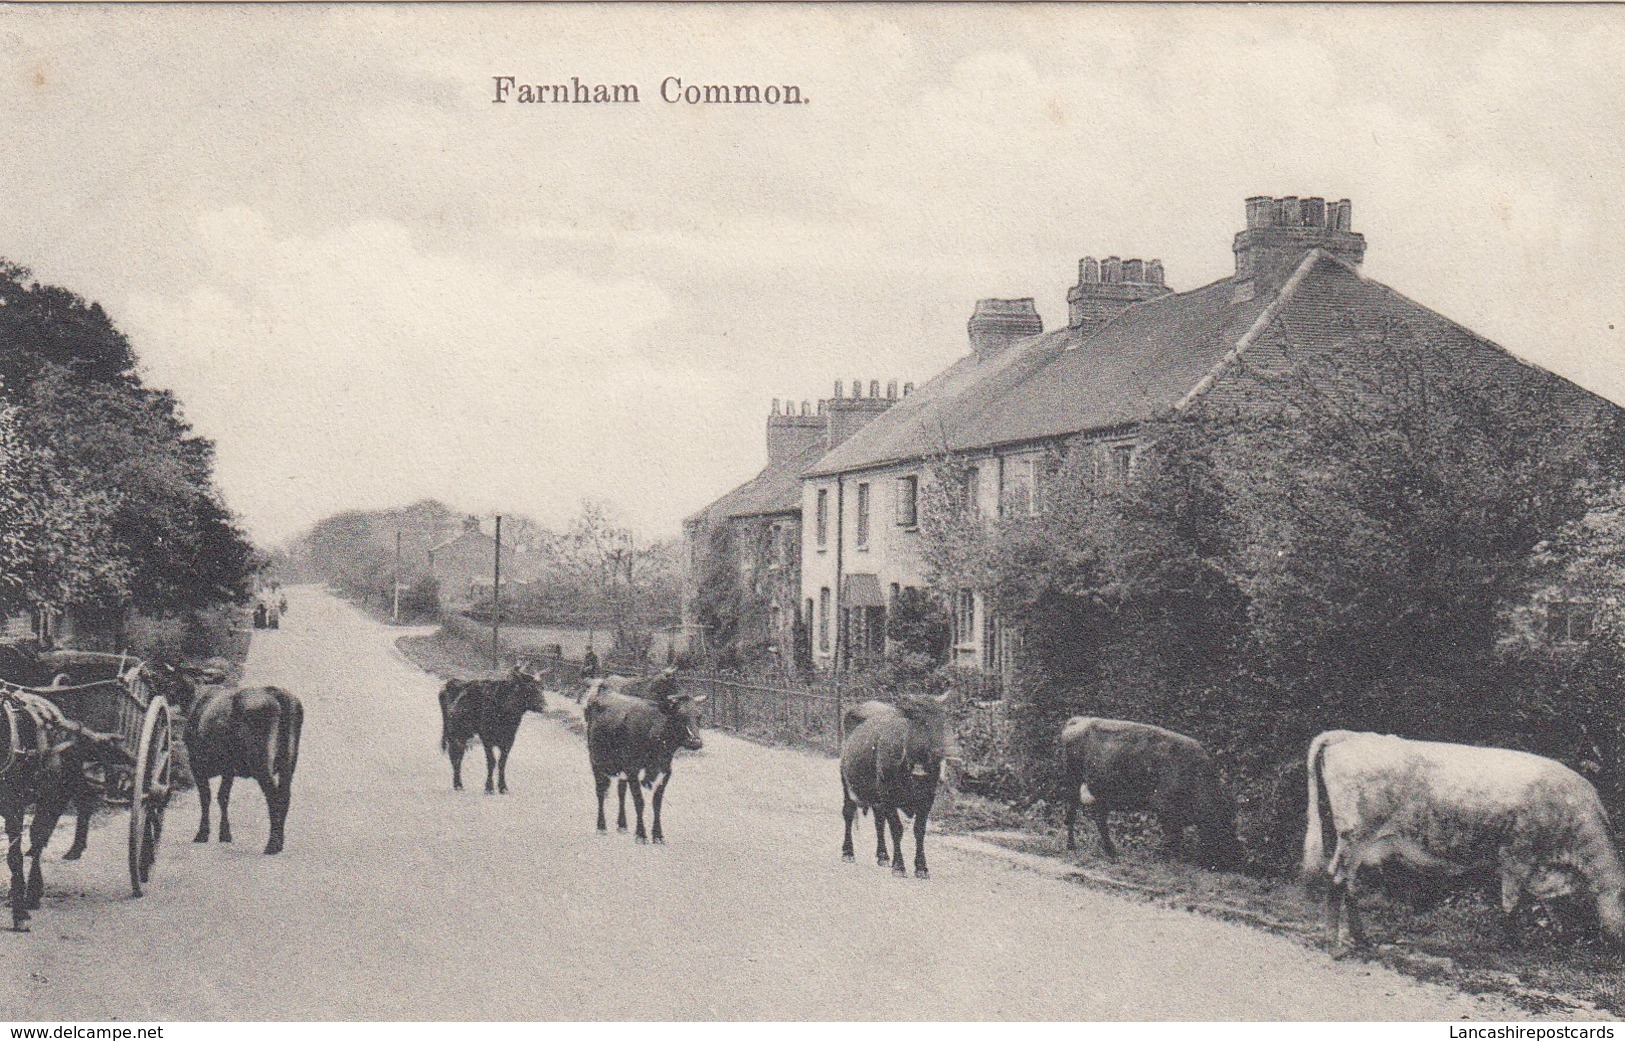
x=942, y=699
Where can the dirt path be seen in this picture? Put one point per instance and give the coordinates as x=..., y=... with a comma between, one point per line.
x=398, y=898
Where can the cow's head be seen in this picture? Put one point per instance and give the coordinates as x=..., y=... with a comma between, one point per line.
x=523, y=692
x=177, y=683
x=682, y=710
x=931, y=735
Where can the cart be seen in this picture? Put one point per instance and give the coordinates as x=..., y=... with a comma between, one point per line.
x=125, y=716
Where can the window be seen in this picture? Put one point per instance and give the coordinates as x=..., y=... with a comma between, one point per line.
x=1122, y=457
x=776, y=624
x=965, y=618
x=867, y=632
x=908, y=501
x=823, y=620
x=969, y=499
x=863, y=516
x=1569, y=620
x=1016, y=496
x=822, y=521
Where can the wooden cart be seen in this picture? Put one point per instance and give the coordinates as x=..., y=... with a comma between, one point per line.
x=140, y=722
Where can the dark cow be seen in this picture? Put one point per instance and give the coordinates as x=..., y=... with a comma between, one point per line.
x=1113, y=764
x=633, y=730
x=1447, y=811
x=490, y=709
x=890, y=763
x=253, y=732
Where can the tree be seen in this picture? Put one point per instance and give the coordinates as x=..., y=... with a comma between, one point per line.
x=56, y=541
x=634, y=582
x=130, y=445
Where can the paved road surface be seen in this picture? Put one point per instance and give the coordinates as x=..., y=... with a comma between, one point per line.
x=400, y=899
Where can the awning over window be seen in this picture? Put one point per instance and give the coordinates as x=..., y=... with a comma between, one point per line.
x=863, y=591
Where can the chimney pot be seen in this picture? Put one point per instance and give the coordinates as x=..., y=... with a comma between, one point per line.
x=1153, y=273
x=1280, y=231
x=1088, y=270
x=891, y=390
x=1260, y=210
x=806, y=408
x=1111, y=270
x=839, y=389
x=908, y=388
x=1133, y=271
x=857, y=389
x=996, y=324
x=775, y=406
x=874, y=388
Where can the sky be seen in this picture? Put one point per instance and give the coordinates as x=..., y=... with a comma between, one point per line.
x=370, y=284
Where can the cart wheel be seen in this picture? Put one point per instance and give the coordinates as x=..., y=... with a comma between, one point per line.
x=149, y=794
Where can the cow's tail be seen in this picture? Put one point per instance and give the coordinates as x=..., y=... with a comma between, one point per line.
x=1320, y=836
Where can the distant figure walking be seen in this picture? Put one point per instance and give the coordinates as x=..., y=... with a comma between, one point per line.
x=589, y=664
x=259, y=616
x=282, y=605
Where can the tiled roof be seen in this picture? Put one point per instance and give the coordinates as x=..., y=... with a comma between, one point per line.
x=777, y=489
x=935, y=416
x=1153, y=356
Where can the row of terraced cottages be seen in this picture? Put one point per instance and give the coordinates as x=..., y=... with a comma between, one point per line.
x=827, y=536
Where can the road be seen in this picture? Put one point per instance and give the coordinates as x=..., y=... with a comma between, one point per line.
x=399, y=899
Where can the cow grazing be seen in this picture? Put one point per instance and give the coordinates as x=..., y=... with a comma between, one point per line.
x=890, y=763
x=1446, y=810
x=490, y=709
x=253, y=732
x=1138, y=767
x=633, y=730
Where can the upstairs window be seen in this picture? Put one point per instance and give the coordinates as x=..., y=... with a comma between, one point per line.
x=908, y=501
x=969, y=499
x=863, y=516
x=1122, y=460
x=821, y=522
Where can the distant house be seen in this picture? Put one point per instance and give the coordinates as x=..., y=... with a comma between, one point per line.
x=462, y=567
x=762, y=516
x=82, y=628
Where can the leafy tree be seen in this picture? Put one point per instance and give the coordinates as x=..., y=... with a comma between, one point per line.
x=56, y=542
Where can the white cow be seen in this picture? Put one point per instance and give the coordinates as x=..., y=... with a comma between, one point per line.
x=1444, y=809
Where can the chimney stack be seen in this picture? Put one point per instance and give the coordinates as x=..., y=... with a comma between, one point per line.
x=1280, y=231
x=996, y=324
x=1107, y=287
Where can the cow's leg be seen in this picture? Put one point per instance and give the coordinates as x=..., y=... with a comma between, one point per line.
x=455, y=747
x=637, y=805
x=882, y=857
x=600, y=781
x=490, y=766
x=203, y=821
x=895, y=822
x=1102, y=822
x=502, y=768
x=273, y=808
x=849, y=811
x=620, y=793
x=659, y=795
x=14, y=862
x=919, y=846
x=226, y=780
x=1511, y=898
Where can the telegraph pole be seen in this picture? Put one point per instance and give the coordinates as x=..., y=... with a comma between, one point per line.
x=496, y=598
x=396, y=611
